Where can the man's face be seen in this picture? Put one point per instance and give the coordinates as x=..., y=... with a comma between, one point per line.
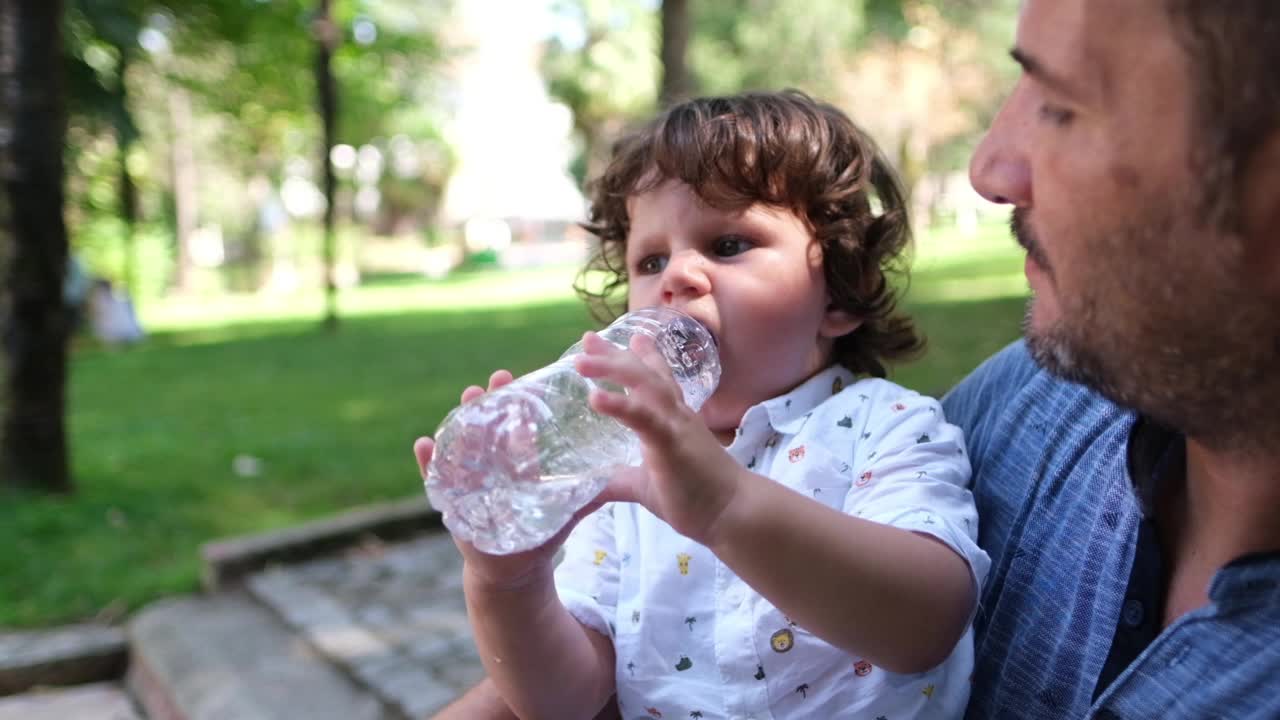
x=1134, y=292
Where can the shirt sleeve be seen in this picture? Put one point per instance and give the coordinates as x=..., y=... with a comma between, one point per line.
x=587, y=576
x=911, y=471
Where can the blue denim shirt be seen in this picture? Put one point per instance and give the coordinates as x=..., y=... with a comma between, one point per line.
x=1060, y=514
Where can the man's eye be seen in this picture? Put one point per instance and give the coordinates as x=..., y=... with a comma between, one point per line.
x=651, y=265
x=731, y=245
x=1056, y=115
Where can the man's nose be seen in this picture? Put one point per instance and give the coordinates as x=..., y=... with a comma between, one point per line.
x=999, y=170
x=685, y=277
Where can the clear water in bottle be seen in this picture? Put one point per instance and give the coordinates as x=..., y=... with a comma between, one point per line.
x=511, y=468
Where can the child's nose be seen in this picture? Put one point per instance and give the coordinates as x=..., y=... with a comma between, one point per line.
x=684, y=278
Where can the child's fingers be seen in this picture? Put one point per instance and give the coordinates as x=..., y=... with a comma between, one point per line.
x=621, y=368
x=593, y=344
x=422, y=449
x=631, y=410
x=496, y=380
x=624, y=486
x=602, y=359
x=646, y=348
x=499, y=378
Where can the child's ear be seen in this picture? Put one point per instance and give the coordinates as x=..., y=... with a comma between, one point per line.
x=837, y=323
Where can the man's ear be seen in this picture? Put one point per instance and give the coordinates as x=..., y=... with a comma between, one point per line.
x=837, y=323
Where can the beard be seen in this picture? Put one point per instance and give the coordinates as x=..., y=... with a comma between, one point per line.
x=1165, y=324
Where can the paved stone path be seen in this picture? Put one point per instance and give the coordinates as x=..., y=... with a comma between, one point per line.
x=96, y=701
x=392, y=616
x=389, y=618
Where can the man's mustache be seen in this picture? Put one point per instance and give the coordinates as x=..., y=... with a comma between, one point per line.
x=1022, y=233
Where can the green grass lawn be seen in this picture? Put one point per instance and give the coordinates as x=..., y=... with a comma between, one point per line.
x=156, y=429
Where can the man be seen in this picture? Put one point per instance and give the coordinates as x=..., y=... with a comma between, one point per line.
x=1127, y=456
x=1133, y=519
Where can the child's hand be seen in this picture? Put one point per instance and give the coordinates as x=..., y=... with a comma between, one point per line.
x=502, y=572
x=687, y=479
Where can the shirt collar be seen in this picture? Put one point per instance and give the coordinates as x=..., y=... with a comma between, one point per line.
x=1156, y=453
x=787, y=412
x=1253, y=579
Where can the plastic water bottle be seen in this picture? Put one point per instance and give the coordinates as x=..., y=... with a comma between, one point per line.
x=511, y=467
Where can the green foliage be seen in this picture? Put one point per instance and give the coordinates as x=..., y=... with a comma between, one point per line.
x=747, y=44
x=100, y=42
x=249, y=67
x=254, y=64
x=610, y=78
x=99, y=244
x=819, y=46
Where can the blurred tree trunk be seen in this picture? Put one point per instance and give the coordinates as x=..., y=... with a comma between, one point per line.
x=126, y=134
x=33, y=248
x=129, y=213
x=185, y=192
x=326, y=41
x=677, y=84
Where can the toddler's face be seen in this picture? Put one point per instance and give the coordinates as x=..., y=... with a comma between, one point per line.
x=753, y=277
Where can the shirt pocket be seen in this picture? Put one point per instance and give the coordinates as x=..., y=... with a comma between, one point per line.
x=815, y=473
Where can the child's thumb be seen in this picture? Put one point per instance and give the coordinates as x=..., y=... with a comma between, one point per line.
x=624, y=486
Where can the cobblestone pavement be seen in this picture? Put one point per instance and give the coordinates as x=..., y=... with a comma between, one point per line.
x=393, y=616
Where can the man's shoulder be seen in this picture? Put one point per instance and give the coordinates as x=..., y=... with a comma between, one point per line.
x=1012, y=406
x=992, y=385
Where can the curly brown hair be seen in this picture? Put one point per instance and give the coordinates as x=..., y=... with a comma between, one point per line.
x=785, y=150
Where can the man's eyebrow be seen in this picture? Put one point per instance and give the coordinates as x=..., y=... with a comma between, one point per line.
x=1043, y=75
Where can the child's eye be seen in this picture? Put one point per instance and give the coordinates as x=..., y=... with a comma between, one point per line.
x=651, y=265
x=730, y=245
x=1056, y=115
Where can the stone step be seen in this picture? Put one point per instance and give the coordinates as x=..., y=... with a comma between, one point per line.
x=68, y=655
x=96, y=701
x=392, y=616
x=226, y=657
x=228, y=561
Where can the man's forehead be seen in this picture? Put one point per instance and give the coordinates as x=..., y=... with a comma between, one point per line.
x=1095, y=43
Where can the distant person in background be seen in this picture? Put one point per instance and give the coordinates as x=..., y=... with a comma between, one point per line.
x=111, y=316
x=75, y=293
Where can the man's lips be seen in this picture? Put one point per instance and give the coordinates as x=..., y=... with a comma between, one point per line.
x=1031, y=267
x=1026, y=238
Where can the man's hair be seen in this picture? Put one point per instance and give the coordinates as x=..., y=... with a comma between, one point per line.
x=1233, y=49
x=783, y=150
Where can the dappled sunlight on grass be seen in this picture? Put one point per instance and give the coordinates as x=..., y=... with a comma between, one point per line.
x=953, y=266
x=464, y=291
x=981, y=287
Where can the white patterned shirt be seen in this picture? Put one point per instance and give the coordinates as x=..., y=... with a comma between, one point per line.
x=694, y=641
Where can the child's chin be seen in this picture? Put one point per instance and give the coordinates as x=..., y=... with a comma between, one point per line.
x=719, y=418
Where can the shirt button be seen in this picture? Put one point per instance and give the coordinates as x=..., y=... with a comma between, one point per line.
x=1133, y=613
